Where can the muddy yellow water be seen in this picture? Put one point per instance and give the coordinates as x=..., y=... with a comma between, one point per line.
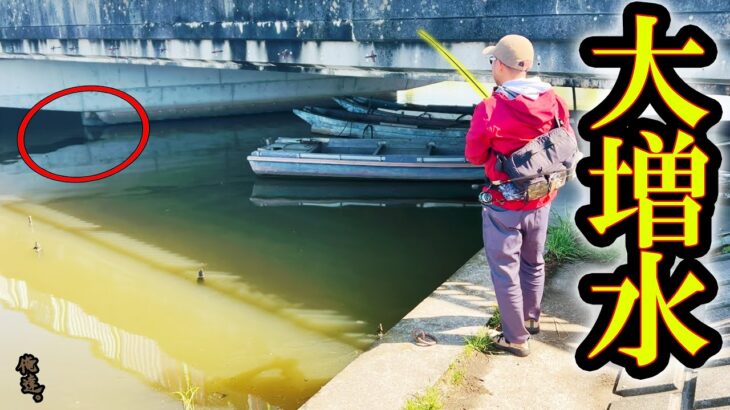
x=99, y=281
x=153, y=320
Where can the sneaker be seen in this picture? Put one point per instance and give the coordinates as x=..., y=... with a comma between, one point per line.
x=532, y=326
x=517, y=349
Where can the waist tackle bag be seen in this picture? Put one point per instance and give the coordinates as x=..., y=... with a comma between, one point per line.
x=543, y=165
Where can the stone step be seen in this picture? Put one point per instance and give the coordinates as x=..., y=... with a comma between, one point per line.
x=713, y=387
x=671, y=379
x=656, y=401
x=722, y=358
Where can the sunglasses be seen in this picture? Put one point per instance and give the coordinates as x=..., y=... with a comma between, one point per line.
x=492, y=59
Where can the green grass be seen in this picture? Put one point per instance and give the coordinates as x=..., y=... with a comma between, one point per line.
x=429, y=400
x=480, y=342
x=495, y=320
x=566, y=244
x=457, y=376
x=456, y=373
x=187, y=397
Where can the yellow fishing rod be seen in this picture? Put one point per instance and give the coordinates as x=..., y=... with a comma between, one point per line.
x=468, y=76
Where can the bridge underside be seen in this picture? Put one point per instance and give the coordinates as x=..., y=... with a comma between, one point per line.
x=213, y=57
x=170, y=92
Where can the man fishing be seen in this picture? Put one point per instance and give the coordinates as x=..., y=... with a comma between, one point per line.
x=514, y=230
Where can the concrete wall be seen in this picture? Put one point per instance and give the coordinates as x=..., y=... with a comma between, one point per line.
x=332, y=20
x=247, y=56
x=329, y=36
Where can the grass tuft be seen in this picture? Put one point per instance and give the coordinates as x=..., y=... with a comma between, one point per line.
x=429, y=400
x=565, y=244
x=187, y=397
x=480, y=342
x=495, y=321
x=456, y=373
x=457, y=376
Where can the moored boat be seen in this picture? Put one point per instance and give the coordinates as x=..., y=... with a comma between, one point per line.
x=371, y=105
x=364, y=159
x=341, y=123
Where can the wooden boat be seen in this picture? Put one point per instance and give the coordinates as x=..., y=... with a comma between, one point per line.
x=341, y=123
x=372, y=105
x=364, y=158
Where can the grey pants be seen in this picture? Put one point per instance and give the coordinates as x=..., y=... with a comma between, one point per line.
x=514, y=242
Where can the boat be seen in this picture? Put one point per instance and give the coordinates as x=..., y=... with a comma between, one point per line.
x=364, y=158
x=341, y=123
x=371, y=105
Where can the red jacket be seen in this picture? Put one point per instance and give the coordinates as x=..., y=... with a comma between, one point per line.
x=505, y=125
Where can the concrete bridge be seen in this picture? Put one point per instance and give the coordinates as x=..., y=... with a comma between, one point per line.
x=185, y=58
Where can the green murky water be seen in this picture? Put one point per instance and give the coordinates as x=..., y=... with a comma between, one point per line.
x=298, y=273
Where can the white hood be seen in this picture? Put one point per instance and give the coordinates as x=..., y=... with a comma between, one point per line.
x=529, y=87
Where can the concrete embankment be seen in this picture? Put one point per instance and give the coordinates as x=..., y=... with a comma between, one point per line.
x=395, y=368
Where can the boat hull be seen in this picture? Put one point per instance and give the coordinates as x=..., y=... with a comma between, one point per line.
x=363, y=107
x=389, y=105
x=322, y=168
x=354, y=129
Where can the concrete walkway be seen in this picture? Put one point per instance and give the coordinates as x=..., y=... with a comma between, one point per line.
x=395, y=369
x=549, y=378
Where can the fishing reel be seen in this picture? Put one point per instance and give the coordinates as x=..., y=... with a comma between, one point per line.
x=485, y=198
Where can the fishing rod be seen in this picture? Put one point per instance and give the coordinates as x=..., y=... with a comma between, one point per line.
x=465, y=73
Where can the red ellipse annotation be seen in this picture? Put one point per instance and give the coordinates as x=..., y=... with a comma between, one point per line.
x=84, y=178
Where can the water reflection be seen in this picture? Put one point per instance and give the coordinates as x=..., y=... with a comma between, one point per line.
x=291, y=295
x=151, y=319
x=306, y=192
x=132, y=352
